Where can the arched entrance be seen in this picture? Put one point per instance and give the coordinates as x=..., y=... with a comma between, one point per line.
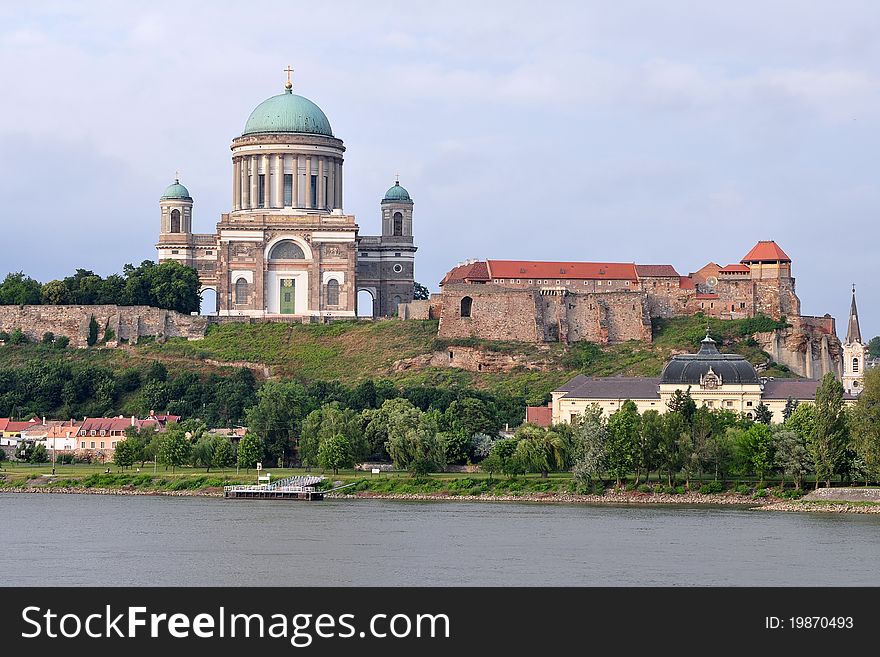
x=366, y=303
x=209, y=301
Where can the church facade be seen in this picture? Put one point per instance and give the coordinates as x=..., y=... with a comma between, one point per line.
x=286, y=248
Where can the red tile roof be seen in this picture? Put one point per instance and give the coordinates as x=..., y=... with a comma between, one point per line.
x=106, y=424
x=540, y=415
x=659, y=271
x=686, y=283
x=564, y=270
x=470, y=271
x=766, y=251
x=735, y=268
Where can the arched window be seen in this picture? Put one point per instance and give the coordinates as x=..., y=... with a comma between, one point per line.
x=175, y=221
x=398, y=224
x=396, y=304
x=287, y=250
x=332, y=292
x=855, y=365
x=241, y=291
x=466, y=304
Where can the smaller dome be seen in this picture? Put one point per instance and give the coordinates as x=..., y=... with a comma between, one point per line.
x=690, y=369
x=176, y=190
x=397, y=193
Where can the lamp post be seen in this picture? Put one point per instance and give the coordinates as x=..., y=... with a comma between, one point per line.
x=53, y=454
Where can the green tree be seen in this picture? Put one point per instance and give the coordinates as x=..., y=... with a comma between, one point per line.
x=756, y=449
x=126, y=453
x=790, y=405
x=420, y=292
x=250, y=451
x=394, y=418
x=791, y=455
x=588, y=439
x=38, y=454
x=874, y=347
x=277, y=417
x=335, y=452
x=326, y=422
x=173, y=286
x=224, y=454
x=55, y=293
x=763, y=414
x=674, y=426
x=471, y=416
x=646, y=454
x=865, y=418
x=175, y=448
x=92, y=338
x=202, y=452
x=541, y=450
x=683, y=404
x=502, y=458
x=456, y=445
x=623, y=435
x=828, y=442
x=19, y=290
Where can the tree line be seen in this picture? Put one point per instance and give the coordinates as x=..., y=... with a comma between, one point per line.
x=169, y=285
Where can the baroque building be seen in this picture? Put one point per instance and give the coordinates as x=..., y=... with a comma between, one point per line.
x=713, y=379
x=286, y=248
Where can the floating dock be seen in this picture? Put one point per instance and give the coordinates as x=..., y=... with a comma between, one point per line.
x=291, y=488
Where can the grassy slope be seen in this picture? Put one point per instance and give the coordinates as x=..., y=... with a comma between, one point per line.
x=354, y=351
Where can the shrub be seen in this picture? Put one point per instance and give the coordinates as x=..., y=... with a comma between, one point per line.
x=645, y=488
x=48, y=337
x=743, y=489
x=17, y=337
x=62, y=341
x=4, y=336
x=711, y=488
x=109, y=334
x=93, y=332
x=761, y=492
x=679, y=490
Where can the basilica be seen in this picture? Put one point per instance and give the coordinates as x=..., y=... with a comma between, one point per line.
x=286, y=248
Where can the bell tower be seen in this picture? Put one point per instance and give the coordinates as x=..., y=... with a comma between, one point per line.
x=853, y=352
x=175, y=224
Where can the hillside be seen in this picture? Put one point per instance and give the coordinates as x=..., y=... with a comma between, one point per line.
x=407, y=354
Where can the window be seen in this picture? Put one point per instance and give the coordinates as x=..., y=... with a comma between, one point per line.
x=103, y=432
x=173, y=251
x=288, y=189
x=398, y=224
x=113, y=444
x=729, y=404
x=326, y=197
x=82, y=445
x=466, y=304
x=175, y=221
x=855, y=364
x=710, y=403
x=261, y=191
x=531, y=282
x=314, y=192
x=748, y=403
x=241, y=290
x=397, y=268
x=332, y=292
x=517, y=281
x=209, y=253
x=626, y=283
x=102, y=444
x=501, y=281
x=396, y=302
x=92, y=432
x=286, y=250
x=742, y=304
x=92, y=444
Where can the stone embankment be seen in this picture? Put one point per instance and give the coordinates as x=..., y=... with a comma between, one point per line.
x=567, y=498
x=833, y=500
x=82, y=490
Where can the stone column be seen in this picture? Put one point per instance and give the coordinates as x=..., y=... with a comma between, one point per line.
x=339, y=183
x=245, y=187
x=307, y=197
x=322, y=201
x=236, y=183
x=331, y=184
x=254, y=173
x=295, y=168
x=279, y=181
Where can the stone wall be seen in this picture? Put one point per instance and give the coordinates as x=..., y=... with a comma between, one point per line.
x=126, y=323
x=549, y=315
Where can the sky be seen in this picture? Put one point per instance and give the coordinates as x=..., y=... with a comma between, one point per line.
x=678, y=132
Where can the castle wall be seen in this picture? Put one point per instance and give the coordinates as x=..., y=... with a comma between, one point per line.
x=556, y=315
x=809, y=348
x=127, y=323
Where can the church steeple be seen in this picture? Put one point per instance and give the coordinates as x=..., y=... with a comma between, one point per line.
x=853, y=334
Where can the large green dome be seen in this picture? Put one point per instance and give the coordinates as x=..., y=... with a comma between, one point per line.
x=287, y=112
x=397, y=193
x=176, y=190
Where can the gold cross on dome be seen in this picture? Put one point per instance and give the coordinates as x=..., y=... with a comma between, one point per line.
x=397, y=177
x=289, y=70
x=177, y=175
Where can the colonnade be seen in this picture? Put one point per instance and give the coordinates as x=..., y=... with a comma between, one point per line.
x=324, y=172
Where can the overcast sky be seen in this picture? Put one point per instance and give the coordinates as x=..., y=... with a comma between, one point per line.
x=674, y=132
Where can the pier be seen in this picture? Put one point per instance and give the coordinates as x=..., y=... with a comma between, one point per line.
x=291, y=488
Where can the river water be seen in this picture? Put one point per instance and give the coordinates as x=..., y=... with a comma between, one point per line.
x=51, y=539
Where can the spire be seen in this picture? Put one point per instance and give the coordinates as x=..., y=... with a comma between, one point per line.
x=288, y=87
x=854, y=334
